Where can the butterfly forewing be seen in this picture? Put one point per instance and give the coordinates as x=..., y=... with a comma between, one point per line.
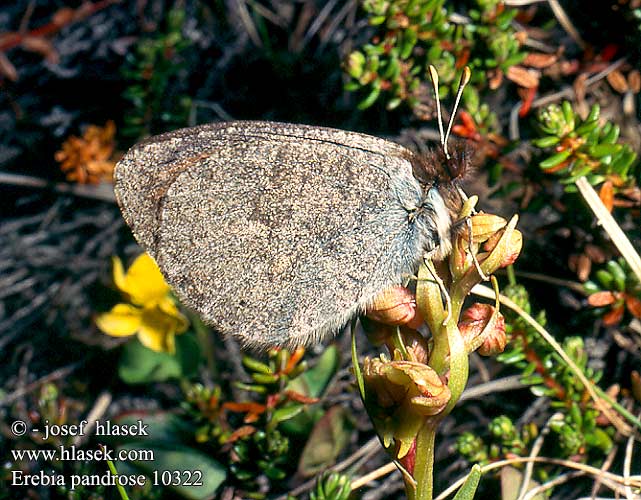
x=275, y=233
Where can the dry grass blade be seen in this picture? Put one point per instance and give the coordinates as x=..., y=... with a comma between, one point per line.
x=599, y=401
x=560, y=479
x=564, y=21
x=609, y=478
x=536, y=448
x=627, y=464
x=103, y=192
x=610, y=226
x=375, y=474
x=246, y=20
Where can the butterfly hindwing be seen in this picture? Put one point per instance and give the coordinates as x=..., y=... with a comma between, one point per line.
x=275, y=233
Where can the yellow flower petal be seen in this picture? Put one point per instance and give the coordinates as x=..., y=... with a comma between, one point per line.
x=123, y=320
x=157, y=340
x=143, y=282
x=158, y=328
x=168, y=306
x=119, y=274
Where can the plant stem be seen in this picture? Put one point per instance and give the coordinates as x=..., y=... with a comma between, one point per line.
x=459, y=365
x=397, y=341
x=119, y=487
x=424, y=464
x=511, y=276
x=443, y=352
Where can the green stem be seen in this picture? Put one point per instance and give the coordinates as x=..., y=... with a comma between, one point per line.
x=449, y=351
x=621, y=409
x=424, y=464
x=112, y=468
x=511, y=276
x=459, y=364
x=440, y=352
x=397, y=342
x=459, y=371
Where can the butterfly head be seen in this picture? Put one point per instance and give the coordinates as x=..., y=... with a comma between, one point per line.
x=442, y=171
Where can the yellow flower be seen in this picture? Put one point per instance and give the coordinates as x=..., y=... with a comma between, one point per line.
x=152, y=314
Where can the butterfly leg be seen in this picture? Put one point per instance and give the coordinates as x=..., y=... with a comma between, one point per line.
x=468, y=223
x=467, y=220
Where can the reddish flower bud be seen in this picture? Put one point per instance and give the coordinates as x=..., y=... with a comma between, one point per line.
x=494, y=342
x=483, y=328
x=395, y=306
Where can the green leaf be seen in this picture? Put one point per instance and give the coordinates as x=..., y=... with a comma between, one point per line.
x=540, y=391
x=575, y=415
x=260, y=389
x=617, y=273
x=263, y=378
x=513, y=60
x=611, y=136
x=254, y=365
x=595, y=179
x=605, y=278
x=393, y=69
x=555, y=160
x=302, y=423
x=467, y=491
x=356, y=64
x=587, y=127
x=332, y=486
x=139, y=365
x=314, y=381
x=328, y=438
x=594, y=113
x=408, y=43
x=601, y=150
x=592, y=137
x=471, y=99
x=533, y=379
x=394, y=103
x=546, y=142
x=511, y=479
x=160, y=426
x=286, y=413
x=568, y=114
x=189, y=472
x=370, y=99
x=600, y=439
x=529, y=370
x=622, y=163
x=511, y=358
x=591, y=287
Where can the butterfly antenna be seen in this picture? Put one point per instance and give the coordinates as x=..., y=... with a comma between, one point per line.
x=465, y=79
x=439, y=115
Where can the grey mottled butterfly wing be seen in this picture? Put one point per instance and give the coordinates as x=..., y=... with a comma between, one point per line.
x=276, y=233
